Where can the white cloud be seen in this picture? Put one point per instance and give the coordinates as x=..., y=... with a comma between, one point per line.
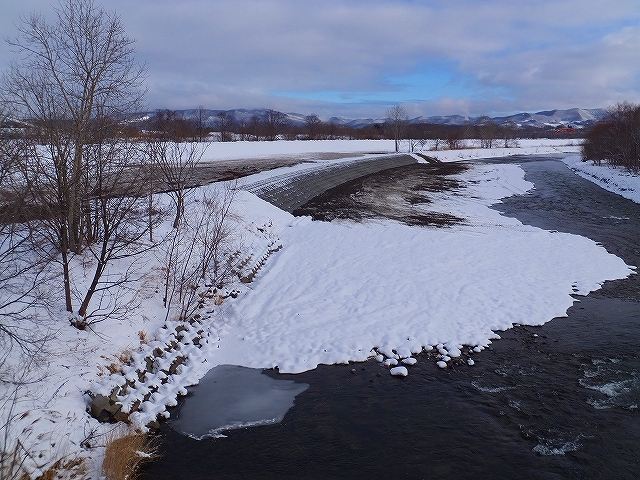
x=223, y=54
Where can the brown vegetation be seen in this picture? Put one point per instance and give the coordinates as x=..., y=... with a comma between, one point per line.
x=71, y=469
x=616, y=139
x=124, y=455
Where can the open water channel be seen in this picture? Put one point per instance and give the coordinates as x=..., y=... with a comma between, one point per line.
x=551, y=402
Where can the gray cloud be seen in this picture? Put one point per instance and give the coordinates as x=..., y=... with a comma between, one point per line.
x=509, y=55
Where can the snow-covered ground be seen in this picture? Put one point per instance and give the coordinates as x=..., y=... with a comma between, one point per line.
x=239, y=150
x=243, y=150
x=324, y=293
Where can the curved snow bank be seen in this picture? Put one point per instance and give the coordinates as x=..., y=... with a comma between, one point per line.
x=338, y=290
x=614, y=179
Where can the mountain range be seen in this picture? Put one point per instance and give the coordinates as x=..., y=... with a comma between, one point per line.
x=575, y=117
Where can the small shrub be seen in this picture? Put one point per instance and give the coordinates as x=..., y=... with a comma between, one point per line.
x=121, y=358
x=144, y=339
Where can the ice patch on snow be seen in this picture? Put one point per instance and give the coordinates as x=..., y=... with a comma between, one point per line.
x=230, y=397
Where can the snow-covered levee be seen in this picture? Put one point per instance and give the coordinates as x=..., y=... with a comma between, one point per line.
x=291, y=190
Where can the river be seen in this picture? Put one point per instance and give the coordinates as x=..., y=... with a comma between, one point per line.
x=557, y=401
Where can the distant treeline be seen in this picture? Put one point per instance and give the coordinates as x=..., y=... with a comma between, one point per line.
x=274, y=125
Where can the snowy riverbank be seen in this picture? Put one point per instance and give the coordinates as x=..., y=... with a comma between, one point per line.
x=323, y=293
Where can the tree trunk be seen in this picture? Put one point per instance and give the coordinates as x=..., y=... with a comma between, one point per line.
x=179, y=210
x=102, y=261
x=66, y=275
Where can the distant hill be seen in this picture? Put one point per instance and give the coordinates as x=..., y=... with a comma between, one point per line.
x=576, y=117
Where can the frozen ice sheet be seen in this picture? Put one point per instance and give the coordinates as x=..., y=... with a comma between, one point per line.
x=229, y=397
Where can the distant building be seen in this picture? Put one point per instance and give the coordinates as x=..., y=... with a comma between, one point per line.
x=564, y=130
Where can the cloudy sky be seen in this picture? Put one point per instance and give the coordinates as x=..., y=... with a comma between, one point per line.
x=355, y=58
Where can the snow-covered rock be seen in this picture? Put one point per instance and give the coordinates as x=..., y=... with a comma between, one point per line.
x=399, y=371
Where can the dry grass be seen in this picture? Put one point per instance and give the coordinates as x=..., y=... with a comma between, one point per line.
x=11, y=468
x=11, y=465
x=125, y=454
x=144, y=339
x=121, y=359
x=71, y=469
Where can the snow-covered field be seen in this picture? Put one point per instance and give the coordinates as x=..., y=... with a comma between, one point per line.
x=326, y=293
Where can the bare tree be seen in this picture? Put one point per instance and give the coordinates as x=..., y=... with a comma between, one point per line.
x=199, y=252
x=116, y=219
x=224, y=124
x=255, y=127
x=214, y=239
x=332, y=130
x=509, y=135
x=171, y=125
x=120, y=218
x=313, y=124
x=243, y=130
x=72, y=71
x=21, y=271
x=436, y=143
x=22, y=340
x=488, y=132
x=176, y=162
x=275, y=123
x=397, y=120
x=76, y=81
x=201, y=122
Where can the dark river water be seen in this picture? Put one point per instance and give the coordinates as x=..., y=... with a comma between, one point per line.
x=557, y=401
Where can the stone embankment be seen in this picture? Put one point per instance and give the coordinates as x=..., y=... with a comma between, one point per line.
x=290, y=191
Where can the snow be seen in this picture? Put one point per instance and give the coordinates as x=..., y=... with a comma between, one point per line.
x=240, y=150
x=339, y=290
x=526, y=147
x=324, y=293
x=399, y=371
